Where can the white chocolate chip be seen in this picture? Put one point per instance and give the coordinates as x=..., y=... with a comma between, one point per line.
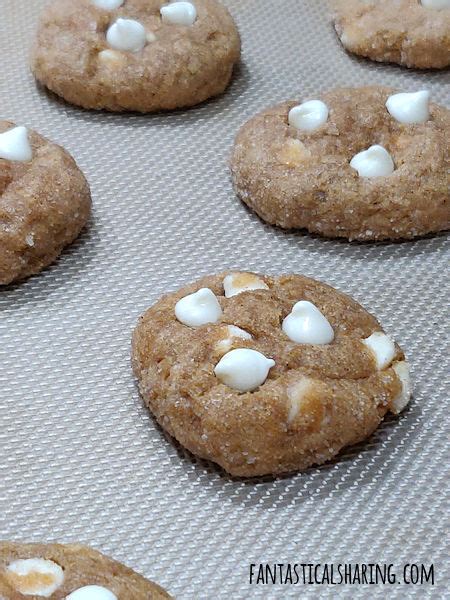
x=112, y=58
x=374, y=162
x=309, y=116
x=243, y=369
x=296, y=394
x=232, y=333
x=436, y=4
x=107, y=4
x=179, y=13
x=126, y=35
x=198, y=309
x=35, y=576
x=410, y=108
x=236, y=283
x=14, y=145
x=403, y=398
x=382, y=348
x=345, y=38
x=294, y=153
x=307, y=325
x=92, y=592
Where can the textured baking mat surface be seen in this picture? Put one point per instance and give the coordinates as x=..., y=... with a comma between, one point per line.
x=82, y=460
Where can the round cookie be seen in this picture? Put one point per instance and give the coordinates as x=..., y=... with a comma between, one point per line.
x=135, y=55
x=68, y=572
x=44, y=202
x=296, y=165
x=414, y=33
x=266, y=375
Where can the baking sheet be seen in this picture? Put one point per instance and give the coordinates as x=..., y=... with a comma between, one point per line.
x=82, y=460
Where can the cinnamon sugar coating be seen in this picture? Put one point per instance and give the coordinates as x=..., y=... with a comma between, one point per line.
x=44, y=205
x=82, y=566
x=301, y=180
x=179, y=66
x=403, y=32
x=316, y=400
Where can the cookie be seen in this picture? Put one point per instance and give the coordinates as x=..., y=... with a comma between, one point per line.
x=413, y=33
x=135, y=55
x=360, y=163
x=68, y=572
x=266, y=375
x=44, y=202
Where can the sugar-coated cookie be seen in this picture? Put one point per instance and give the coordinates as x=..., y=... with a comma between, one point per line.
x=365, y=163
x=414, y=33
x=68, y=572
x=135, y=55
x=266, y=375
x=44, y=201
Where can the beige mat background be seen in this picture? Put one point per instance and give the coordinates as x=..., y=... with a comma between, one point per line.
x=82, y=460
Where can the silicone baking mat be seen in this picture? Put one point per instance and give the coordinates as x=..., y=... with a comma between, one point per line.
x=81, y=458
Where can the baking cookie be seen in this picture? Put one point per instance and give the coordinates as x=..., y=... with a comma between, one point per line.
x=68, y=572
x=414, y=33
x=44, y=202
x=266, y=375
x=361, y=163
x=139, y=55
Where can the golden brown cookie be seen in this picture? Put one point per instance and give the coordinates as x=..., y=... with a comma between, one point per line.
x=44, y=202
x=414, y=33
x=68, y=572
x=266, y=375
x=135, y=55
x=294, y=166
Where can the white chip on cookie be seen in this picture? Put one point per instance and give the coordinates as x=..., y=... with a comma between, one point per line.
x=307, y=325
x=401, y=401
x=34, y=576
x=294, y=153
x=436, y=4
x=374, y=162
x=300, y=405
x=177, y=71
x=232, y=333
x=296, y=394
x=126, y=35
x=236, y=283
x=308, y=116
x=92, y=592
x=382, y=348
x=243, y=369
x=112, y=58
x=179, y=13
x=15, y=145
x=410, y=107
x=198, y=309
x=107, y=4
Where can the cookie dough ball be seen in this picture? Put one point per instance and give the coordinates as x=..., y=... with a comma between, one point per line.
x=266, y=375
x=359, y=163
x=68, y=572
x=44, y=202
x=414, y=33
x=136, y=55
